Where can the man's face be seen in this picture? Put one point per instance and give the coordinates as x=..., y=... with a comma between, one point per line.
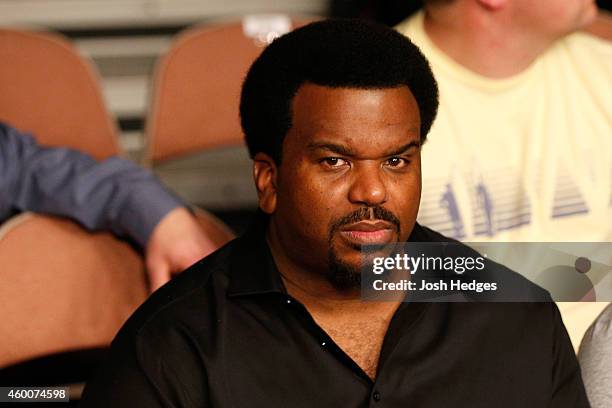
x=350, y=175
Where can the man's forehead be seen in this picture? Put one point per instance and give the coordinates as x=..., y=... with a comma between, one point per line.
x=349, y=117
x=325, y=99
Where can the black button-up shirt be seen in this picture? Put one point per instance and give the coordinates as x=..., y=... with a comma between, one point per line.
x=225, y=333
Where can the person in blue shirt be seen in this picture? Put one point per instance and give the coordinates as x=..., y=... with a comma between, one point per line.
x=114, y=195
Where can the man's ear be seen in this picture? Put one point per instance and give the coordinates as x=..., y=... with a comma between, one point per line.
x=265, y=174
x=493, y=5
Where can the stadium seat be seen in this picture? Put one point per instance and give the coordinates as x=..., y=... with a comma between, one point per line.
x=62, y=287
x=48, y=89
x=196, y=86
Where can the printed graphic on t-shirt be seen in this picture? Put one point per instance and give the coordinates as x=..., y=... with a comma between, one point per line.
x=499, y=202
x=439, y=208
x=568, y=199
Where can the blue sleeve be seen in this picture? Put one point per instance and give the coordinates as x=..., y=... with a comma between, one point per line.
x=115, y=194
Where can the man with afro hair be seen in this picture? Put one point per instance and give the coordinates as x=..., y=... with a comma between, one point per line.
x=335, y=114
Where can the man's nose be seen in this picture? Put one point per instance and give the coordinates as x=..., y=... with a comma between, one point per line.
x=368, y=186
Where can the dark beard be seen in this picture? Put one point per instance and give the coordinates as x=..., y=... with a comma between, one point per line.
x=340, y=274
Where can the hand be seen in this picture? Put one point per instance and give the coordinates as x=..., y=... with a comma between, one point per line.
x=177, y=242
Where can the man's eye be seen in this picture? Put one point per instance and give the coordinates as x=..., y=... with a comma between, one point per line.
x=397, y=162
x=334, y=162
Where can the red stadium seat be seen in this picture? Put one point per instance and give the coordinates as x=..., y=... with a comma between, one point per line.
x=196, y=90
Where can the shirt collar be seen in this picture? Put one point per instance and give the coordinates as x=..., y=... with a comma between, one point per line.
x=252, y=268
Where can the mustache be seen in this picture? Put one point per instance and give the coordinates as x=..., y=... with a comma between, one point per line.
x=369, y=214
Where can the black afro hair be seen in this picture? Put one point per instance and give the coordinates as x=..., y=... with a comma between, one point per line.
x=339, y=53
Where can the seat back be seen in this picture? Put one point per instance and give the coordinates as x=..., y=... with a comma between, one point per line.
x=52, y=92
x=63, y=288
x=196, y=88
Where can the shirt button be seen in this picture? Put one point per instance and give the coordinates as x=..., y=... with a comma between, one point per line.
x=288, y=301
x=376, y=396
x=323, y=344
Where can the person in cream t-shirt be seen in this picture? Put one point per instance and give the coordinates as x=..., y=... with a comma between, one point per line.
x=521, y=149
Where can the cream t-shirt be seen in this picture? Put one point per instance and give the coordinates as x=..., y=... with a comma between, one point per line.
x=526, y=158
